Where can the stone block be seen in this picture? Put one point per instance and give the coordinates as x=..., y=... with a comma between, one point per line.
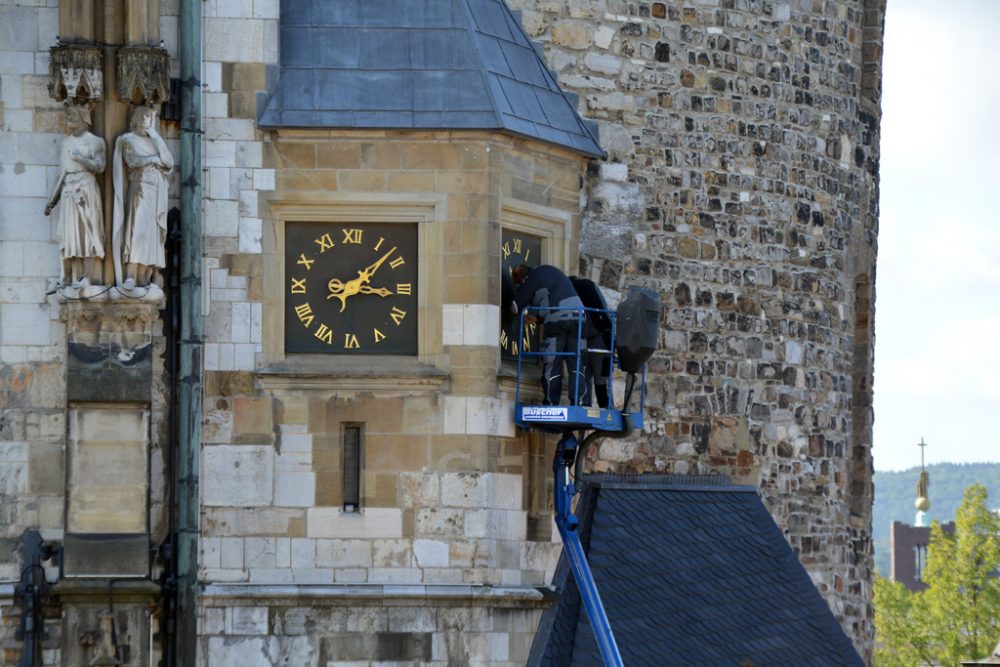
x=231, y=552
x=24, y=324
x=303, y=552
x=343, y=553
x=222, y=217
x=345, y=649
x=391, y=553
x=337, y=155
x=210, y=552
x=315, y=576
x=251, y=415
x=246, y=621
x=431, y=553
x=373, y=522
x=259, y=552
x=237, y=475
x=435, y=521
x=108, y=476
x=294, y=489
x=46, y=474
x=419, y=489
x=234, y=41
x=572, y=34
x=106, y=555
x=242, y=651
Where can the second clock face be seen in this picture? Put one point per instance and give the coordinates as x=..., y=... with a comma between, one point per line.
x=350, y=288
x=517, y=248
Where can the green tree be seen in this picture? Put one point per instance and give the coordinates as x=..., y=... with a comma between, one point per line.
x=956, y=618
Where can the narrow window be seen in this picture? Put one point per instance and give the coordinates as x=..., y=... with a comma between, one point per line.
x=919, y=560
x=352, y=467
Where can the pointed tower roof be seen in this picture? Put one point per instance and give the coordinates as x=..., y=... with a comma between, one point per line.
x=419, y=64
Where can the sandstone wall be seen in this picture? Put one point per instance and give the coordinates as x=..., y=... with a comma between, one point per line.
x=742, y=184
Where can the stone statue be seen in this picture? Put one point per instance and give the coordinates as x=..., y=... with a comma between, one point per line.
x=81, y=216
x=139, y=230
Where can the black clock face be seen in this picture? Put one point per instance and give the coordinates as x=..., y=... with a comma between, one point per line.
x=350, y=288
x=518, y=248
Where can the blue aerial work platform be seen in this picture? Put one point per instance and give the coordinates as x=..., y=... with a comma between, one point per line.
x=637, y=319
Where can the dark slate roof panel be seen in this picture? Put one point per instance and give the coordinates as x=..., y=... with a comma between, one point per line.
x=724, y=588
x=430, y=64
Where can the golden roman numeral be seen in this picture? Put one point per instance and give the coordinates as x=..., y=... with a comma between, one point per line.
x=379, y=244
x=305, y=313
x=526, y=253
x=517, y=245
x=298, y=286
x=403, y=288
x=352, y=235
x=397, y=315
x=506, y=249
x=305, y=262
x=396, y=263
x=379, y=336
x=503, y=338
x=351, y=342
x=325, y=334
x=513, y=348
x=325, y=242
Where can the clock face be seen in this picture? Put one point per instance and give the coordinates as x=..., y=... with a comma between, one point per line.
x=350, y=288
x=518, y=248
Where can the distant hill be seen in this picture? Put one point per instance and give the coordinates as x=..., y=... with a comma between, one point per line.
x=895, y=492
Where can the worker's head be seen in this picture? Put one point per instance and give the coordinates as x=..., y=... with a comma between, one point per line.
x=519, y=273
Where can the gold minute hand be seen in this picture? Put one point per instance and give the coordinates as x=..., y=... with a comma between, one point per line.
x=367, y=273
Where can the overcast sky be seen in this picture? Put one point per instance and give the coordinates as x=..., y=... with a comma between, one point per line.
x=937, y=317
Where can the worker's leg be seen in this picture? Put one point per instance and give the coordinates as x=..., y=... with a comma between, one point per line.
x=551, y=367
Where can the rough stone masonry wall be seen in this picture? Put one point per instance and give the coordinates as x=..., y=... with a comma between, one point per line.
x=741, y=183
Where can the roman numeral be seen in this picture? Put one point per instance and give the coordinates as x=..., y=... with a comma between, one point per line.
x=352, y=235
x=526, y=253
x=504, y=338
x=305, y=262
x=397, y=315
x=379, y=336
x=396, y=263
x=403, y=288
x=379, y=244
x=298, y=286
x=351, y=342
x=325, y=242
x=325, y=334
x=506, y=249
x=517, y=245
x=305, y=313
x=513, y=348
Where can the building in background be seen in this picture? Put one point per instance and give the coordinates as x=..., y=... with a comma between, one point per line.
x=305, y=405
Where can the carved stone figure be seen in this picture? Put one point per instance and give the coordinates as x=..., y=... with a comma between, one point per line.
x=139, y=229
x=81, y=216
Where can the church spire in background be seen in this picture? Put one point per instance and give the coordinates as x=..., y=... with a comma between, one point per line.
x=922, y=503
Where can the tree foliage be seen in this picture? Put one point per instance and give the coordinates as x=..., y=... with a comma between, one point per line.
x=958, y=616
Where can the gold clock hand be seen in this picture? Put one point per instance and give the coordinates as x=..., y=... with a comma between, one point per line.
x=368, y=272
x=381, y=291
x=342, y=290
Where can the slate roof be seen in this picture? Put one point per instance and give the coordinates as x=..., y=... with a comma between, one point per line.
x=692, y=572
x=418, y=64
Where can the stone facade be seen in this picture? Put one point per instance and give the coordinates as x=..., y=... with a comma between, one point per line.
x=741, y=183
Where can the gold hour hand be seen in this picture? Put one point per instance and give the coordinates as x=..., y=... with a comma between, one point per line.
x=381, y=291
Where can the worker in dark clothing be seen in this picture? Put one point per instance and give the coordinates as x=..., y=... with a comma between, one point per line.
x=548, y=288
x=597, y=333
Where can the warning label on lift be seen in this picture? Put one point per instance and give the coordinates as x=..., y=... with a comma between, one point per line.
x=544, y=414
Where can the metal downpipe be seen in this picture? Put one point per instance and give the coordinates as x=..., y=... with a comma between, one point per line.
x=190, y=339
